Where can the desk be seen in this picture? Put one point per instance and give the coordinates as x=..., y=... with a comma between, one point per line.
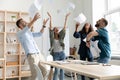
x=95, y=71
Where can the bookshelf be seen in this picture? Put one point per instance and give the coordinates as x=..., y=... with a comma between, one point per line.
x=12, y=56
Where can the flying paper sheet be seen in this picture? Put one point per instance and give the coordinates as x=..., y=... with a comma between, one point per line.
x=61, y=12
x=38, y=4
x=81, y=18
x=67, y=9
x=35, y=7
x=70, y=7
x=32, y=11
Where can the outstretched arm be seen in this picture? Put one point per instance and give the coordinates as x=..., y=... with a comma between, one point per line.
x=76, y=26
x=76, y=33
x=89, y=37
x=37, y=16
x=50, y=21
x=44, y=25
x=66, y=17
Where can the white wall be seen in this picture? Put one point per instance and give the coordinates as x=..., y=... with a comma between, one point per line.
x=15, y=5
x=98, y=8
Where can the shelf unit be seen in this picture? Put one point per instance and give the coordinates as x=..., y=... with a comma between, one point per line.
x=2, y=68
x=15, y=63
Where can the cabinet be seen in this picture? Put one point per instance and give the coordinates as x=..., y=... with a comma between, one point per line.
x=15, y=64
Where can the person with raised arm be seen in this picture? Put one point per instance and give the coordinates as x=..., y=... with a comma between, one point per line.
x=84, y=51
x=26, y=38
x=57, y=46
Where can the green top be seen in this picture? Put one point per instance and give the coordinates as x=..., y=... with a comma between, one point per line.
x=61, y=39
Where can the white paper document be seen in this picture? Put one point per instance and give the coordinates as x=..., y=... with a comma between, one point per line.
x=70, y=7
x=81, y=18
x=38, y=4
x=35, y=7
x=94, y=48
x=32, y=11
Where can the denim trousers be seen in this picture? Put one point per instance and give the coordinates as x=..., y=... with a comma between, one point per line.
x=103, y=60
x=58, y=56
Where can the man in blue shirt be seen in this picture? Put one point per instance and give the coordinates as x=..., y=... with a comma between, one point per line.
x=101, y=34
x=26, y=38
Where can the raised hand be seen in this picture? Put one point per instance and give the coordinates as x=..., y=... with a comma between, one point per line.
x=67, y=14
x=45, y=21
x=77, y=25
x=49, y=14
x=37, y=16
x=50, y=20
x=66, y=19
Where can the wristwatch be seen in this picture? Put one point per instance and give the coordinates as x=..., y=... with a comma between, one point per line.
x=44, y=26
x=88, y=41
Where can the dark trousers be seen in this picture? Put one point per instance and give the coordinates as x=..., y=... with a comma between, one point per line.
x=88, y=59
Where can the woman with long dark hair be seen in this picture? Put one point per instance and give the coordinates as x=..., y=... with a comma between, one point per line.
x=84, y=51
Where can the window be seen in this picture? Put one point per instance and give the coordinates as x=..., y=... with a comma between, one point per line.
x=114, y=31
x=114, y=25
x=112, y=9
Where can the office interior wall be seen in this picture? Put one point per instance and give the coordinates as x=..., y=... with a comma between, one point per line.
x=15, y=5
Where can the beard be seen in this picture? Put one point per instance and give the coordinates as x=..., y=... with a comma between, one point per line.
x=97, y=25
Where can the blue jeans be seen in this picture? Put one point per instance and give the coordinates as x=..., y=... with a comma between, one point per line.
x=58, y=56
x=103, y=60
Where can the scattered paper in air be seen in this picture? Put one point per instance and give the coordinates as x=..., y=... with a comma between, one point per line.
x=58, y=11
x=81, y=18
x=70, y=7
x=32, y=11
x=35, y=7
x=38, y=4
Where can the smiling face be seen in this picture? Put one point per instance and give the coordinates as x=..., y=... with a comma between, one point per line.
x=101, y=23
x=56, y=30
x=21, y=23
x=87, y=26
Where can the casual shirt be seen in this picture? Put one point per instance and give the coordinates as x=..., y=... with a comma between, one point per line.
x=83, y=51
x=61, y=40
x=25, y=37
x=103, y=43
x=57, y=47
